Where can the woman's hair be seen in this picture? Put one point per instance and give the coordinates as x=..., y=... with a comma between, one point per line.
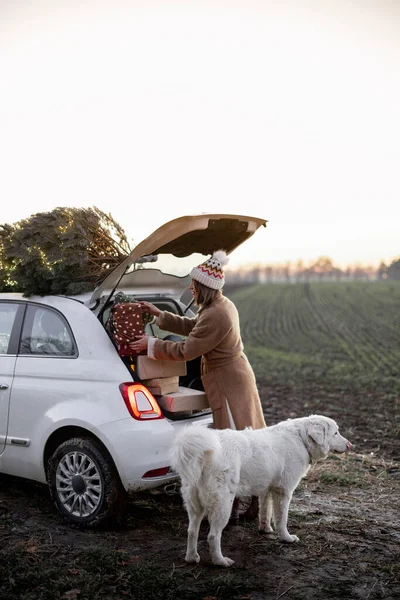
x=205, y=295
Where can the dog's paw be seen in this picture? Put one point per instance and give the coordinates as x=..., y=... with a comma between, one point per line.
x=224, y=561
x=289, y=538
x=192, y=558
x=265, y=529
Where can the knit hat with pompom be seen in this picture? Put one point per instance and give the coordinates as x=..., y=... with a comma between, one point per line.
x=210, y=272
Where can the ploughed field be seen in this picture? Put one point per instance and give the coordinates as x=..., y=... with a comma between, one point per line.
x=345, y=333
x=328, y=348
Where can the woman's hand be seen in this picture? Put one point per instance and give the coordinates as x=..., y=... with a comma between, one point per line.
x=148, y=307
x=141, y=343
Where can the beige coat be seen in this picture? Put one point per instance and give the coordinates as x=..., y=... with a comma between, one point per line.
x=227, y=375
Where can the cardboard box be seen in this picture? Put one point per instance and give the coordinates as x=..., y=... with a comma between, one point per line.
x=162, y=385
x=185, y=399
x=148, y=368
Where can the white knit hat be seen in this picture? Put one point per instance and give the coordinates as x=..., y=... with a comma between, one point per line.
x=210, y=272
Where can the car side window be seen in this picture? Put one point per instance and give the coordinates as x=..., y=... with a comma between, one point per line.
x=8, y=312
x=46, y=333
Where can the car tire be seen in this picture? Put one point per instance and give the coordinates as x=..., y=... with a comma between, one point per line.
x=84, y=484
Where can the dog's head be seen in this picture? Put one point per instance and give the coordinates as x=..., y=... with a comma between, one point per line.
x=323, y=437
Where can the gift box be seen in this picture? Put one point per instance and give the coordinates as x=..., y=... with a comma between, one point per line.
x=184, y=400
x=126, y=322
x=162, y=385
x=148, y=368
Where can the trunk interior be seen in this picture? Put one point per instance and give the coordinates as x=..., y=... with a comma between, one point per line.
x=190, y=383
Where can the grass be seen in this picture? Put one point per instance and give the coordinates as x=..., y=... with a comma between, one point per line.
x=342, y=479
x=352, y=471
x=38, y=572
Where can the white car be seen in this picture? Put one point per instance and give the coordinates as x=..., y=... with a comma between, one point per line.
x=73, y=414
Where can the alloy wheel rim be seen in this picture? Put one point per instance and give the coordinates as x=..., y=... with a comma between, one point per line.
x=79, y=484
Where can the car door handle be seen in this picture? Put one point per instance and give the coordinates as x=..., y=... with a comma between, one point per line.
x=3, y=386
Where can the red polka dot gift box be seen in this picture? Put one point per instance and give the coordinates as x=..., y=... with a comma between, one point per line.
x=126, y=322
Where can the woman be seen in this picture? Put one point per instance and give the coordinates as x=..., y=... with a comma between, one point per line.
x=214, y=334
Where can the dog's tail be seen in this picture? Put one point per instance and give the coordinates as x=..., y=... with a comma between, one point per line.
x=192, y=449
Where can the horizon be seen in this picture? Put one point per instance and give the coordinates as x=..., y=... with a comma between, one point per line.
x=293, y=265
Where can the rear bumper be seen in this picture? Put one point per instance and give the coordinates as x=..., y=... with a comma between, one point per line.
x=140, y=485
x=138, y=447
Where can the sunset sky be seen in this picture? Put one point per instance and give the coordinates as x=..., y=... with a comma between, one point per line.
x=286, y=110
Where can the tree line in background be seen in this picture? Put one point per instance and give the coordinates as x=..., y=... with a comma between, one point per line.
x=322, y=269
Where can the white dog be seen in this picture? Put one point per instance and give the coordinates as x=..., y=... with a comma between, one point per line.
x=216, y=466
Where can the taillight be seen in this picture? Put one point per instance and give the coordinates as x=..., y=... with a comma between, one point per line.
x=140, y=403
x=157, y=472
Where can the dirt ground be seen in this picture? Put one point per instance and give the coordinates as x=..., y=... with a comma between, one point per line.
x=346, y=514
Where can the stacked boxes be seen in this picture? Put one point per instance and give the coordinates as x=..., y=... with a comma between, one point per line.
x=161, y=377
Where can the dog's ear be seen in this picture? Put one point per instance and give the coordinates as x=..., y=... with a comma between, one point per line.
x=316, y=431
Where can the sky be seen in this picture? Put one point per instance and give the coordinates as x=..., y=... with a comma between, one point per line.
x=285, y=110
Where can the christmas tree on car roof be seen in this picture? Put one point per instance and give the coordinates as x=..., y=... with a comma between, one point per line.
x=65, y=251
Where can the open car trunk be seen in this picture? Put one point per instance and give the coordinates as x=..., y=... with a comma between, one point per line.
x=139, y=278
x=197, y=234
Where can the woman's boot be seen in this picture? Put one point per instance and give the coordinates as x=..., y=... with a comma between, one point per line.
x=234, y=518
x=252, y=511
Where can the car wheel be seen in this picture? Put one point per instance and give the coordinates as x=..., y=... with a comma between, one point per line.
x=84, y=483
